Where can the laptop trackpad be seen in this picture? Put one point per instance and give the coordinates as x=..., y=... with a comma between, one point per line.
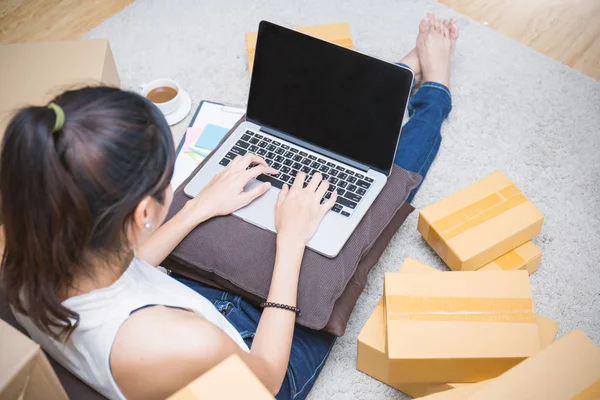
x=260, y=212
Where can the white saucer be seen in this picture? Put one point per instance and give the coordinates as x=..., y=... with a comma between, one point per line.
x=182, y=112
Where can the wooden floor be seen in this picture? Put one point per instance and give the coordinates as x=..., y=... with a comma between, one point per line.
x=37, y=20
x=567, y=30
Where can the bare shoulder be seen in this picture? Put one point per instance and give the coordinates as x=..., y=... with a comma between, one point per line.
x=158, y=350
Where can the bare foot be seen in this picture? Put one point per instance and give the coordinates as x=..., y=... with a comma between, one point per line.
x=435, y=44
x=412, y=60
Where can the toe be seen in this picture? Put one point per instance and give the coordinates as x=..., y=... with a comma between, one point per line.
x=438, y=25
x=424, y=25
x=454, y=30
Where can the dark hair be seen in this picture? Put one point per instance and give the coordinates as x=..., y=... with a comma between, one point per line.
x=67, y=196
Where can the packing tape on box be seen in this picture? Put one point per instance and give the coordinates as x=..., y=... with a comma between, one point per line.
x=510, y=260
x=474, y=309
x=479, y=212
x=592, y=392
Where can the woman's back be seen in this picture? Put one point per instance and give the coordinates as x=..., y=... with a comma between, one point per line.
x=102, y=312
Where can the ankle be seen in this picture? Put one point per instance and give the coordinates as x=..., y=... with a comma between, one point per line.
x=441, y=78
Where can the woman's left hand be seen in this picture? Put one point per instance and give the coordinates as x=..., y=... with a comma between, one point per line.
x=225, y=192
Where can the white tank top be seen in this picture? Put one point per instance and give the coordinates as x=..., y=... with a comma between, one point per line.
x=103, y=311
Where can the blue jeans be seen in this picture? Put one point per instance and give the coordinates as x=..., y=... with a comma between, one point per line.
x=417, y=148
x=309, y=348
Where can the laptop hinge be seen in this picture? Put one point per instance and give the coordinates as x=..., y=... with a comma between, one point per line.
x=316, y=149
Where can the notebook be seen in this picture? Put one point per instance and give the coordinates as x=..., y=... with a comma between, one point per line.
x=210, y=124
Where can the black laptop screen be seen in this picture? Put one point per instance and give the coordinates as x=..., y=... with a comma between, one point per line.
x=327, y=95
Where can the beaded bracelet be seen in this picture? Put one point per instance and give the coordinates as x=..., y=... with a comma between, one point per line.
x=266, y=304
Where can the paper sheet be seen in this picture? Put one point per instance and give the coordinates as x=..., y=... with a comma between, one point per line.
x=212, y=120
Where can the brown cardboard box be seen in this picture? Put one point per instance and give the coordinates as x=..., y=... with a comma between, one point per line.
x=567, y=369
x=527, y=256
x=458, y=326
x=25, y=372
x=335, y=33
x=548, y=330
x=479, y=223
x=33, y=73
x=372, y=358
x=217, y=384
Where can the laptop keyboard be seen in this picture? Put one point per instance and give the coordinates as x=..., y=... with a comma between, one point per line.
x=351, y=186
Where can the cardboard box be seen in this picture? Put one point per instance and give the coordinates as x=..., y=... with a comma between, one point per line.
x=335, y=33
x=567, y=369
x=480, y=223
x=458, y=326
x=527, y=256
x=33, y=73
x=372, y=358
x=25, y=372
x=460, y=393
x=217, y=384
x=548, y=330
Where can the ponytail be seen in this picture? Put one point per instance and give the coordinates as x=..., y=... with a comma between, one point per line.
x=68, y=192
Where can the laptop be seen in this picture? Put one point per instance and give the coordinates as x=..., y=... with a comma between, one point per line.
x=316, y=106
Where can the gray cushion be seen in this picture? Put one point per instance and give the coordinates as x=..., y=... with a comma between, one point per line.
x=247, y=263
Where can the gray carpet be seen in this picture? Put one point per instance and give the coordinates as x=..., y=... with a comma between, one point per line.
x=514, y=109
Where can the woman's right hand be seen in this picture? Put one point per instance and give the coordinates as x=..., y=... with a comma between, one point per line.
x=299, y=211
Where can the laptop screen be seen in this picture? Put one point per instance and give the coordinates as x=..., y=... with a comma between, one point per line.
x=327, y=95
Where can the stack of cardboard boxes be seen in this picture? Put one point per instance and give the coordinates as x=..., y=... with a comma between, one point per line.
x=488, y=224
x=454, y=333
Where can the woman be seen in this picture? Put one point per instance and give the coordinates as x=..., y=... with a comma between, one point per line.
x=84, y=231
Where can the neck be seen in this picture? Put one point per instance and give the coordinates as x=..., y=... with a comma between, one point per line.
x=102, y=272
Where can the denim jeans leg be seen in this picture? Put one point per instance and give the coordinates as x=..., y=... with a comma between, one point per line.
x=421, y=136
x=309, y=351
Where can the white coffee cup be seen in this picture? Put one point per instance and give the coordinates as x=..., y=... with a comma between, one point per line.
x=166, y=107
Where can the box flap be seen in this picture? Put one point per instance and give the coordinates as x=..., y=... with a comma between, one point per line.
x=548, y=330
x=17, y=352
x=216, y=383
x=110, y=74
x=567, y=369
x=43, y=382
x=460, y=393
x=412, y=266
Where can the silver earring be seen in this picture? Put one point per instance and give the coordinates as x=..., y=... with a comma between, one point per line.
x=148, y=226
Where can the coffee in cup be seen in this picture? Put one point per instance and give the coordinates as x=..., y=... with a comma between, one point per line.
x=164, y=93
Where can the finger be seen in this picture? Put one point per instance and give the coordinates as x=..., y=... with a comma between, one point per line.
x=322, y=189
x=282, y=194
x=258, y=170
x=250, y=159
x=299, y=181
x=258, y=191
x=314, y=181
x=236, y=160
x=328, y=205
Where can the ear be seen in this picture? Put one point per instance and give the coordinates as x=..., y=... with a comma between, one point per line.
x=143, y=214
